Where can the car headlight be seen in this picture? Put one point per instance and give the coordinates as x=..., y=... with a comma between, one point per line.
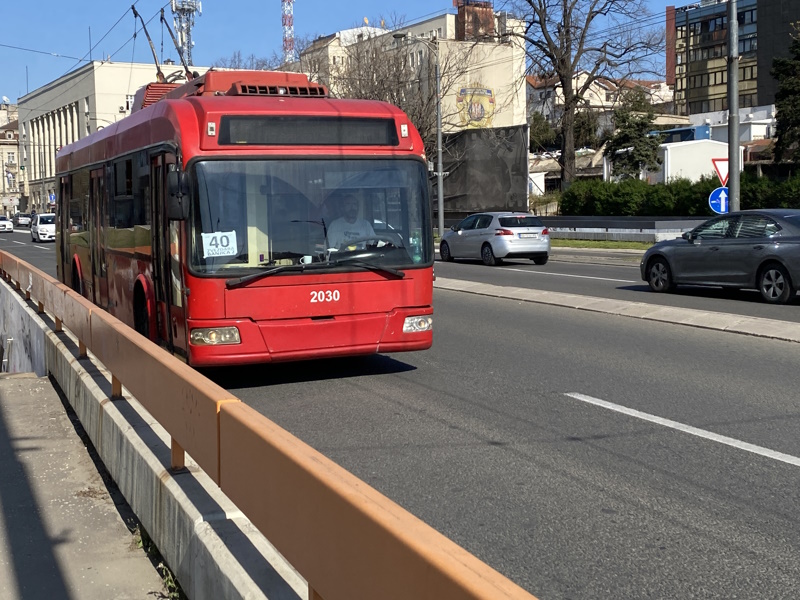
x=215, y=336
x=418, y=324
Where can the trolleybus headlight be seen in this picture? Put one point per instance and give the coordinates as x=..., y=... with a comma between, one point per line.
x=418, y=324
x=215, y=336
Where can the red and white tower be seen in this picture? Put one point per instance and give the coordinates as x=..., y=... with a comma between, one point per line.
x=287, y=10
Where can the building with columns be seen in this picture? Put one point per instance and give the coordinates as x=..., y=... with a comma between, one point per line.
x=66, y=110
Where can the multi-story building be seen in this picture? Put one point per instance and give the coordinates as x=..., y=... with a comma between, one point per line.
x=9, y=160
x=603, y=95
x=481, y=67
x=477, y=63
x=65, y=110
x=697, y=51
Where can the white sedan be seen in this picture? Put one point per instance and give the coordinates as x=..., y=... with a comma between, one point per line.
x=6, y=224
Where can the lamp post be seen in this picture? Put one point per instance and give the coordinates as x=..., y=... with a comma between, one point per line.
x=439, y=168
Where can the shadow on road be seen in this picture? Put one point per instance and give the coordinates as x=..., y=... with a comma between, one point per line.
x=251, y=376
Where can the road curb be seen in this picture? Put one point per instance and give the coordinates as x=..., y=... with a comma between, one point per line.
x=754, y=326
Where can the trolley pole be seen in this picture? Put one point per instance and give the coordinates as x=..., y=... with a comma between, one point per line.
x=733, y=106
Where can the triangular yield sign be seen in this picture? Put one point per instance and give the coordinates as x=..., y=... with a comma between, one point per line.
x=721, y=167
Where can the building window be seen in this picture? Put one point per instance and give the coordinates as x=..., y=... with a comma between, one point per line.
x=748, y=45
x=10, y=159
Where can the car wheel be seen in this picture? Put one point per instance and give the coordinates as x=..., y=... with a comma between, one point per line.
x=540, y=260
x=775, y=284
x=33, y=239
x=488, y=257
x=444, y=252
x=659, y=276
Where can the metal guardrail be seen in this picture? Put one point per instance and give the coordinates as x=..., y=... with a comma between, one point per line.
x=346, y=539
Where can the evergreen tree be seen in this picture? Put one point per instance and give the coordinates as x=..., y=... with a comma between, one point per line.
x=586, y=125
x=632, y=148
x=787, y=104
x=541, y=133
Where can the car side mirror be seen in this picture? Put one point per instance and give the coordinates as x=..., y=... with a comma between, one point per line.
x=178, y=201
x=688, y=236
x=452, y=228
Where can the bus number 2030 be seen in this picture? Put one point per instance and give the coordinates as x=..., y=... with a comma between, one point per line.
x=325, y=296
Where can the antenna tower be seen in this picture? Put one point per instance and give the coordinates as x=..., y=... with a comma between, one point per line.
x=287, y=10
x=184, y=11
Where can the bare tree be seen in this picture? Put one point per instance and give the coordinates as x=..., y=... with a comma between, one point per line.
x=592, y=38
x=402, y=71
x=255, y=63
x=251, y=62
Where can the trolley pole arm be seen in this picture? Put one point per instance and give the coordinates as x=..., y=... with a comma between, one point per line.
x=159, y=74
x=189, y=75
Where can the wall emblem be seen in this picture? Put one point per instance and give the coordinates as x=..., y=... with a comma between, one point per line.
x=475, y=104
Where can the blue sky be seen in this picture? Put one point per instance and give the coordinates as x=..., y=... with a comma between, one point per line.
x=43, y=40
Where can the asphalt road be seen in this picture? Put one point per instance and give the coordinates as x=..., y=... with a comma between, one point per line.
x=615, y=275
x=583, y=455
x=491, y=437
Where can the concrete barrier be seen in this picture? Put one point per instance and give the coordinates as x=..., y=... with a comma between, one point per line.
x=346, y=540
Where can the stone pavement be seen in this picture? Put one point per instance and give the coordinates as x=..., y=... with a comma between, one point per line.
x=65, y=530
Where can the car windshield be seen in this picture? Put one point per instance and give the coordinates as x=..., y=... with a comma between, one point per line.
x=520, y=221
x=256, y=214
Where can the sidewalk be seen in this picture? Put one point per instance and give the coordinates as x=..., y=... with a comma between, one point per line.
x=65, y=530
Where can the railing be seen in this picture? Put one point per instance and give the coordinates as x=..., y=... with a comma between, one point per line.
x=346, y=539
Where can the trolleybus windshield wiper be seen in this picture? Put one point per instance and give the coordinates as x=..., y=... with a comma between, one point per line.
x=354, y=261
x=357, y=261
x=240, y=281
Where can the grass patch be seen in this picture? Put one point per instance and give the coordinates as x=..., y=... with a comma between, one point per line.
x=142, y=540
x=606, y=244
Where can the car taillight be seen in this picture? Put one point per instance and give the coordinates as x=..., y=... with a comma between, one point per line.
x=503, y=232
x=545, y=231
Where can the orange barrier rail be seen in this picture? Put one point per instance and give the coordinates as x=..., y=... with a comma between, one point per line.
x=345, y=538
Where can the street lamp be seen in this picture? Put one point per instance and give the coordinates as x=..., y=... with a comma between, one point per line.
x=439, y=169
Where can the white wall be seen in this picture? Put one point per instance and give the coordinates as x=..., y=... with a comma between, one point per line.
x=690, y=160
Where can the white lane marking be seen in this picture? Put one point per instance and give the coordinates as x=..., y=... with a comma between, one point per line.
x=41, y=247
x=16, y=242
x=567, y=275
x=708, y=435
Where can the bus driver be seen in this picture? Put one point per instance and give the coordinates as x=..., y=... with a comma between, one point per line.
x=349, y=227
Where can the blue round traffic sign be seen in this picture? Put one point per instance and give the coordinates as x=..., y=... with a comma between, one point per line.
x=718, y=201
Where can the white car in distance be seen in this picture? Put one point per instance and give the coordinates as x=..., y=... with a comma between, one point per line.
x=43, y=227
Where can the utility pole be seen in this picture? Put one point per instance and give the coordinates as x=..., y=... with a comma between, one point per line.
x=733, y=106
x=439, y=168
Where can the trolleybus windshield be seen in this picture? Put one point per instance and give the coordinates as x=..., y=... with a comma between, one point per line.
x=325, y=213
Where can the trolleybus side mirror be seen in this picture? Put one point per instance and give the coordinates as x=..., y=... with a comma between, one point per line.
x=178, y=201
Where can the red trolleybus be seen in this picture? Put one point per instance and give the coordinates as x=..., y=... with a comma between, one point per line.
x=245, y=217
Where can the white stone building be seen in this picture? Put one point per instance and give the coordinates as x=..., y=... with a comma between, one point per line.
x=9, y=159
x=68, y=109
x=481, y=65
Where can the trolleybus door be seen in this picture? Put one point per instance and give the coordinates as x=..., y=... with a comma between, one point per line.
x=167, y=273
x=99, y=222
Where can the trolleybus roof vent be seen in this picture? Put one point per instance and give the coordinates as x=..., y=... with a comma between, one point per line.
x=247, y=89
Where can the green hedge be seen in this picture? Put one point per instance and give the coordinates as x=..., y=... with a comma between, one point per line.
x=681, y=198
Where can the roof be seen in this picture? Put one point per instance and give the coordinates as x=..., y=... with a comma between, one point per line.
x=604, y=82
